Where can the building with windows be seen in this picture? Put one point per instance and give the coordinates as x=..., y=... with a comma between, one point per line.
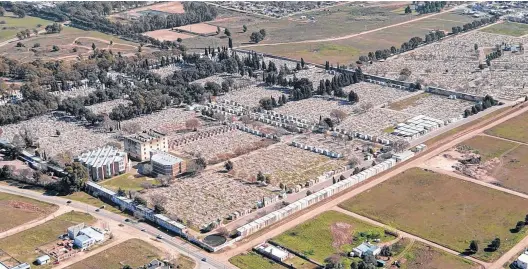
x=164, y=163
x=104, y=162
x=139, y=145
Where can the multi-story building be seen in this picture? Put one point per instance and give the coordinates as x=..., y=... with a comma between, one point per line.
x=104, y=162
x=139, y=146
x=167, y=164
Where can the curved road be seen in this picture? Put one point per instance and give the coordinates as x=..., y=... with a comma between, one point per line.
x=180, y=245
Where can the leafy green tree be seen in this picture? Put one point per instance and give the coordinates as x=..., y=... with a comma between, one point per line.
x=495, y=244
x=228, y=165
x=227, y=32
x=244, y=28
x=519, y=225
x=93, y=46
x=140, y=201
x=473, y=246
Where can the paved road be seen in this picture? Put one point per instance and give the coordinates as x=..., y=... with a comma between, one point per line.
x=323, y=206
x=180, y=245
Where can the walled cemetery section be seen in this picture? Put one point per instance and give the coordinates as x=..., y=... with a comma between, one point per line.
x=285, y=164
x=216, y=146
x=166, y=121
x=439, y=107
x=106, y=107
x=332, y=142
x=251, y=95
x=209, y=197
x=453, y=64
x=376, y=94
x=166, y=71
x=313, y=108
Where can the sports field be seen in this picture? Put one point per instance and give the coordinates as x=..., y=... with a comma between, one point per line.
x=445, y=210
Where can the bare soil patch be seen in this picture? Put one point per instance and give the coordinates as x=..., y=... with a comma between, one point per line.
x=167, y=34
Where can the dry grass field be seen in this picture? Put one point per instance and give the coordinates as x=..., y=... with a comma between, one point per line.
x=133, y=252
x=68, y=40
x=489, y=147
x=445, y=210
x=420, y=256
x=17, y=210
x=199, y=28
x=253, y=260
x=508, y=28
x=13, y=25
x=513, y=129
x=512, y=173
x=167, y=35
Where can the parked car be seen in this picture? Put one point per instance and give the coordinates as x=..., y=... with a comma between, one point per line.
x=204, y=259
x=68, y=202
x=159, y=236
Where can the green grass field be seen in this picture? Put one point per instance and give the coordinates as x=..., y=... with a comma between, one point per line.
x=16, y=210
x=133, y=252
x=507, y=28
x=88, y=199
x=13, y=25
x=253, y=260
x=407, y=102
x=127, y=182
x=445, y=210
x=22, y=245
x=489, y=147
x=514, y=129
x=328, y=234
x=512, y=173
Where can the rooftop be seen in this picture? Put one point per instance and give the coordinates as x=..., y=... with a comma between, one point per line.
x=364, y=247
x=523, y=258
x=273, y=250
x=145, y=136
x=101, y=156
x=83, y=238
x=164, y=158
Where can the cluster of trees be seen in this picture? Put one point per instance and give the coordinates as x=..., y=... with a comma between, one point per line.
x=493, y=246
x=430, y=7
x=335, y=86
x=302, y=89
x=54, y=28
x=492, y=56
x=271, y=102
x=486, y=103
x=23, y=34
x=256, y=37
x=143, y=102
x=474, y=24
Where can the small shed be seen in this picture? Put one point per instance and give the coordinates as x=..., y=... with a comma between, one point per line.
x=45, y=259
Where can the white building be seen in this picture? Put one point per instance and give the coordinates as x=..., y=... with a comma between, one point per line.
x=272, y=252
x=522, y=261
x=83, y=242
x=104, y=162
x=365, y=248
x=43, y=259
x=139, y=146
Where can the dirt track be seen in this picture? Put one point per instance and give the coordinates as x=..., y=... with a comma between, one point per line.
x=351, y=35
x=434, y=150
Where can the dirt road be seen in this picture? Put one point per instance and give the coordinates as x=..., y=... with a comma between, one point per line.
x=351, y=35
x=324, y=206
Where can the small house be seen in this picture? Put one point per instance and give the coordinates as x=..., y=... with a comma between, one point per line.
x=365, y=248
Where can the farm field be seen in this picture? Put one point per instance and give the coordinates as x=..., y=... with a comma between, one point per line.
x=443, y=209
x=507, y=28
x=17, y=210
x=128, y=182
x=67, y=40
x=253, y=260
x=13, y=25
x=514, y=129
x=423, y=256
x=345, y=51
x=328, y=234
x=133, y=252
x=22, y=245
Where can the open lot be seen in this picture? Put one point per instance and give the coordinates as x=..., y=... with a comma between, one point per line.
x=434, y=106
x=284, y=164
x=514, y=129
x=489, y=147
x=17, y=210
x=420, y=256
x=83, y=197
x=508, y=28
x=22, y=246
x=328, y=234
x=443, y=209
x=166, y=8
x=133, y=252
x=13, y=25
x=198, y=28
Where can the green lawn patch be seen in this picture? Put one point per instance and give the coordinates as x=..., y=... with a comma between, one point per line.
x=328, y=234
x=88, y=199
x=133, y=252
x=127, y=182
x=13, y=25
x=423, y=256
x=514, y=129
x=488, y=147
x=16, y=210
x=507, y=28
x=22, y=245
x=253, y=260
x=445, y=210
